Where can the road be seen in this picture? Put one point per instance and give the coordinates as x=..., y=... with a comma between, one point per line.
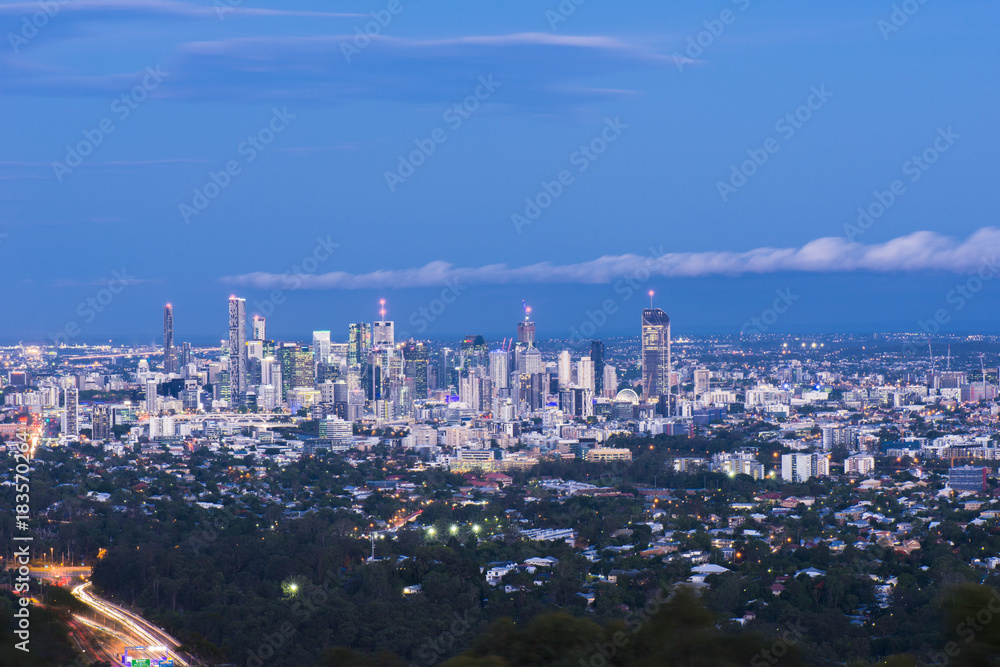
x=135, y=630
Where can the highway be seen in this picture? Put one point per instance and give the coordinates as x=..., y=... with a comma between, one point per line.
x=136, y=630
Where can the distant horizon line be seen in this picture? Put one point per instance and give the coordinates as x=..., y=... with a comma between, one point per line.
x=208, y=340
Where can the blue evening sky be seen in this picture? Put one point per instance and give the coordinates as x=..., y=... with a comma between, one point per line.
x=666, y=123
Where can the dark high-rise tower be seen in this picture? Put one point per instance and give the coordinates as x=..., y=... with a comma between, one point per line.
x=359, y=341
x=655, y=354
x=597, y=357
x=237, y=349
x=417, y=356
x=169, y=353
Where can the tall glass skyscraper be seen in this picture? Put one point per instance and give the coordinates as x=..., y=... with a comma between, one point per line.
x=169, y=353
x=359, y=341
x=655, y=354
x=597, y=356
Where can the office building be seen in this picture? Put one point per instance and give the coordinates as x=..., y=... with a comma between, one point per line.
x=610, y=381
x=597, y=357
x=500, y=369
x=383, y=331
x=585, y=373
x=101, y=423
x=417, y=357
x=564, y=369
x=321, y=346
x=359, y=341
x=297, y=368
x=259, y=328
x=968, y=478
x=655, y=354
x=526, y=332
x=702, y=377
x=474, y=351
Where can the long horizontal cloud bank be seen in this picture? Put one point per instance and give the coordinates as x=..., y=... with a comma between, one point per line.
x=917, y=252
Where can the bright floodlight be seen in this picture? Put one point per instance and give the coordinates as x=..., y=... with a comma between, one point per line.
x=454, y=529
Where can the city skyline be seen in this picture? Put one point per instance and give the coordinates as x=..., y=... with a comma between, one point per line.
x=837, y=174
x=385, y=333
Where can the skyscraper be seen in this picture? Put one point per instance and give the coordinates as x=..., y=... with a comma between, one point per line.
x=321, y=346
x=383, y=334
x=297, y=368
x=417, y=356
x=597, y=356
x=655, y=354
x=151, y=396
x=169, y=353
x=610, y=381
x=526, y=329
x=237, y=349
x=474, y=351
x=359, y=341
x=499, y=372
x=71, y=416
x=259, y=328
x=585, y=373
x=565, y=369
x=102, y=423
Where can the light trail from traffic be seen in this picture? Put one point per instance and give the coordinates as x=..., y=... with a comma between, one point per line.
x=141, y=630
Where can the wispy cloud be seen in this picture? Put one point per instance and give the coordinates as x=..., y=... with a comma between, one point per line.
x=917, y=252
x=121, y=9
x=538, y=69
